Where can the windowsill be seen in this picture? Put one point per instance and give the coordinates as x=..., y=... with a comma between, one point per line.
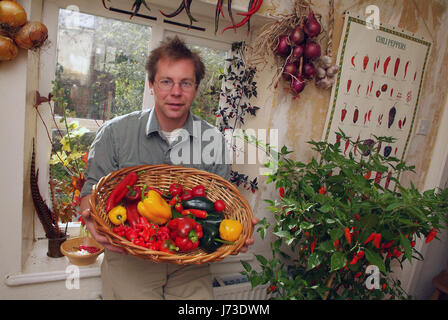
x=39, y=268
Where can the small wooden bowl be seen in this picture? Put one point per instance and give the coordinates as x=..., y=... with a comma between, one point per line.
x=69, y=248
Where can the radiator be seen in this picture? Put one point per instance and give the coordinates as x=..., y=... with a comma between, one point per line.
x=237, y=287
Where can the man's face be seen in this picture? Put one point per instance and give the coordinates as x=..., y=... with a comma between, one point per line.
x=172, y=104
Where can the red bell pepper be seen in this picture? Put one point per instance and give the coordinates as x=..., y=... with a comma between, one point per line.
x=185, y=232
x=168, y=246
x=186, y=195
x=175, y=189
x=198, y=191
x=133, y=194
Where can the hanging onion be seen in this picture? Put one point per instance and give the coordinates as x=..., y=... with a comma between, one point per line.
x=32, y=35
x=8, y=50
x=12, y=14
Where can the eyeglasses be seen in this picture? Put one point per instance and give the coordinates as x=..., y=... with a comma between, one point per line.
x=168, y=84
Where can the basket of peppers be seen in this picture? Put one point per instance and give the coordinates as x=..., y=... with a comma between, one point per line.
x=171, y=214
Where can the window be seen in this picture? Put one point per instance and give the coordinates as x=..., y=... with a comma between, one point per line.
x=99, y=75
x=96, y=70
x=213, y=54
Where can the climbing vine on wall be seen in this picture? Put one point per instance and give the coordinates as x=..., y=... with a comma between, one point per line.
x=238, y=87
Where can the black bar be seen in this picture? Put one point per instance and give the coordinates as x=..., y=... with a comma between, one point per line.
x=183, y=25
x=131, y=13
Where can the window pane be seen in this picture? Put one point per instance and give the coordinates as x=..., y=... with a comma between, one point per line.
x=100, y=65
x=205, y=104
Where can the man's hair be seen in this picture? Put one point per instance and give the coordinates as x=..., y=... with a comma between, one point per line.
x=174, y=49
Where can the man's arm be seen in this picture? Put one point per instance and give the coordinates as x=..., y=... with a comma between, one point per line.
x=85, y=212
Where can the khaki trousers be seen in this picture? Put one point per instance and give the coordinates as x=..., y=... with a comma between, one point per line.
x=127, y=277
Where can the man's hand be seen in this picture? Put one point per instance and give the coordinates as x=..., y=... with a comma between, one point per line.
x=250, y=240
x=85, y=212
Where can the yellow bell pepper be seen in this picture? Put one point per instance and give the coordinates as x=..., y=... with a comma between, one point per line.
x=154, y=208
x=230, y=230
x=117, y=215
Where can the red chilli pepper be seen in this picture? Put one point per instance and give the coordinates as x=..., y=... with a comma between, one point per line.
x=178, y=206
x=353, y=60
x=120, y=190
x=406, y=69
x=347, y=144
x=132, y=214
x=370, y=238
x=281, y=191
x=349, y=84
x=313, y=244
x=348, y=235
x=355, y=259
x=386, y=64
x=255, y=6
x=377, y=240
x=201, y=214
x=431, y=235
x=322, y=190
x=355, y=115
x=365, y=62
x=397, y=64
x=174, y=200
x=343, y=114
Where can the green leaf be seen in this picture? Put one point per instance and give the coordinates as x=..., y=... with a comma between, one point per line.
x=325, y=208
x=282, y=234
x=261, y=259
x=326, y=246
x=375, y=259
x=246, y=265
x=306, y=225
x=314, y=260
x=406, y=244
x=370, y=221
x=338, y=261
x=336, y=233
x=393, y=206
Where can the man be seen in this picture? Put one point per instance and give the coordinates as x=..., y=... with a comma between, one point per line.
x=152, y=137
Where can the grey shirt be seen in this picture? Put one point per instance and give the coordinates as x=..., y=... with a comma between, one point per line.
x=136, y=138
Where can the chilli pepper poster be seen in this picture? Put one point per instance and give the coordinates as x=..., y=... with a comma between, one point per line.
x=378, y=87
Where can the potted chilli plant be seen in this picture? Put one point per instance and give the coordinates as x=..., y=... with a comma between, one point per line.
x=335, y=224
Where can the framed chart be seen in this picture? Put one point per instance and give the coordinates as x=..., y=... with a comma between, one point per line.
x=378, y=87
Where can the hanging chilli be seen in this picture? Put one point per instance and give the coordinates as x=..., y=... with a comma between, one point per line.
x=187, y=10
x=136, y=6
x=229, y=8
x=184, y=5
x=253, y=9
x=218, y=10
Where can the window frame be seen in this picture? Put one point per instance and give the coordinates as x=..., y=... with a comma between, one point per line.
x=159, y=31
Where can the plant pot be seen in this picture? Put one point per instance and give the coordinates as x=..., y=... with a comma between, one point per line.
x=54, y=246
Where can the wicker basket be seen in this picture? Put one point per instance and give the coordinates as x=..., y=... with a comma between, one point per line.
x=161, y=177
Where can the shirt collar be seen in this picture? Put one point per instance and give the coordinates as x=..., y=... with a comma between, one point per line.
x=154, y=126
